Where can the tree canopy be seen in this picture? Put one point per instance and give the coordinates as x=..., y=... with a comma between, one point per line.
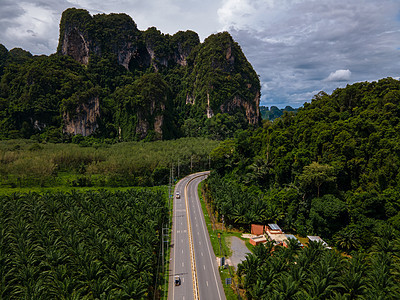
x=330, y=169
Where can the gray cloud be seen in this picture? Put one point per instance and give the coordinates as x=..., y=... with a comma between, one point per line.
x=34, y=24
x=169, y=16
x=31, y=24
x=299, y=44
x=298, y=47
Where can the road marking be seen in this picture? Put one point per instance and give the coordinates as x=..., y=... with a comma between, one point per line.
x=204, y=267
x=182, y=205
x=207, y=282
x=183, y=264
x=191, y=246
x=173, y=227
x=201, y=253
x=207, y=241
x=182, y=251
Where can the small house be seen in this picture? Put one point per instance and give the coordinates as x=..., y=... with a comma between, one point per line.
x=257, y=229
x=274, y=229
x=316, y=238
x=291, y=236
x=257, y=240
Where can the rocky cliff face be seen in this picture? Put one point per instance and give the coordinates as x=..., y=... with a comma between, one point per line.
x=75, y=44
x=84, y=120
x=82, y=35
x=151, y=118
x=252, y=111
x=222, y=80
x=214, y=75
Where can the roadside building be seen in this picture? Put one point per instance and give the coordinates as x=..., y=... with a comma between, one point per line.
x=275, y=234
x=274, y=229
x=257, y=240
x=291, y=236
x=257, y=229
x=316, y=238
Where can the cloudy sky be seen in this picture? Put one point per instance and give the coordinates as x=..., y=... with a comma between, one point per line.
x=298, y=47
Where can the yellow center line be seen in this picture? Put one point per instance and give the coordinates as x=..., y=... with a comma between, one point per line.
x=192, y=257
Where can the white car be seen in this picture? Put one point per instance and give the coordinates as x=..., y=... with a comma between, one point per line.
x=178, y=196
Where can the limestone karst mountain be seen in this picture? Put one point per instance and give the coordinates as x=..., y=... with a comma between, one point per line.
x=110, y=79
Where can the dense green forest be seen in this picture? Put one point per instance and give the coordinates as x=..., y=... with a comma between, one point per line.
x=81, y=245
x=128, y=85
x=331, y=169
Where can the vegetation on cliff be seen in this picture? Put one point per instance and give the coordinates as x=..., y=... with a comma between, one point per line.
x=219, y=72
x=105, y=59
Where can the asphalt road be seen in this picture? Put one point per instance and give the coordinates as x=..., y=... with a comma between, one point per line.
x=207, y=275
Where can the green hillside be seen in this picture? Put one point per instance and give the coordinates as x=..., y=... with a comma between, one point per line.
x=332, y=170
x=333, y=165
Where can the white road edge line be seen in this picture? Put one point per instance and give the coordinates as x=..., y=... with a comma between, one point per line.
x=208, y=246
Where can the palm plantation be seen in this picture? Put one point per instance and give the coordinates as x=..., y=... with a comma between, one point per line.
x=91, y=245
x=315, y=272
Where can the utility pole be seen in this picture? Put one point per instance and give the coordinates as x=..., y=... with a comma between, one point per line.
x=219, y=239
x=169, y=198
x=169, y=190
x=164, y=238
x=162, y=247
x=172, y=170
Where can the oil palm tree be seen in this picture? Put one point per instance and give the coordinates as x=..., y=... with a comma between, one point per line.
x=133, y=289
x=347, y=239
x=248, y=268
x=381, y=282
x=285, y=288
x=353, y=283
x=318, y=287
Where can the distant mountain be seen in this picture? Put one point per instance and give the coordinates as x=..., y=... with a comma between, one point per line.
x=274, y=112
x=111, y=80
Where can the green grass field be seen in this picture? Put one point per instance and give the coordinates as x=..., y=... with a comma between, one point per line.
x=28, y=164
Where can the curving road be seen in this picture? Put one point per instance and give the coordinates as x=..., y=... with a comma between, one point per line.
x=200, y=276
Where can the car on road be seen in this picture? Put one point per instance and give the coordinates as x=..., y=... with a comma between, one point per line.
x=178, y=196
x=177, y=280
